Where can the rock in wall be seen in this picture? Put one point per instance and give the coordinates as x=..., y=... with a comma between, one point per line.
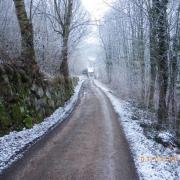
x=25, y=101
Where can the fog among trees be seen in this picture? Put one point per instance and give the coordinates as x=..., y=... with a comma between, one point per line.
x=57, y=28
x=141, y=42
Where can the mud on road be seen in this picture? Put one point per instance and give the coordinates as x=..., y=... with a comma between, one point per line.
x=89, y=145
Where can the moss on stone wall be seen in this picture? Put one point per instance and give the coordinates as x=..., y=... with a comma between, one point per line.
x=25, y=101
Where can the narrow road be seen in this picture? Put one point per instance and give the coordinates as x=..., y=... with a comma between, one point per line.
x=90, y=145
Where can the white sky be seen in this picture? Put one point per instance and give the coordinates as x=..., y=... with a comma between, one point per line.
x=96, y=8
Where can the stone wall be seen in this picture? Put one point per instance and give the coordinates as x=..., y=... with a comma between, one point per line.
x=25, y=101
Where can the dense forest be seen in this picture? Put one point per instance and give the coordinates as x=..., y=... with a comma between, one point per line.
x=141, y=41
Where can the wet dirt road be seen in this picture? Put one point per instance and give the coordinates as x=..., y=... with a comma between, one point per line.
x=90, y=145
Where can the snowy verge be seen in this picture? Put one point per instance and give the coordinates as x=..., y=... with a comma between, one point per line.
x=153, y=161
x=13, y=145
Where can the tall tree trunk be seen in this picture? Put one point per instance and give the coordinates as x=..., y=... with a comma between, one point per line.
x=153, y=52
x=64, y=69
x=173, y=76
x=162, y=60
x=141, y=51
x=177, y=80
x=26, y=28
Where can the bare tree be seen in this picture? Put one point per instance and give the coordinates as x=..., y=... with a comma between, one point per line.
x=68, y=20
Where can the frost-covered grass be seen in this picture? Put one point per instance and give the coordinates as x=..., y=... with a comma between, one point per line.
x=13, y=145
x=149, y=156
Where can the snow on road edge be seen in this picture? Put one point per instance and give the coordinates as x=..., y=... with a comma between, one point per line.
x=13, y=145
x=141, y=147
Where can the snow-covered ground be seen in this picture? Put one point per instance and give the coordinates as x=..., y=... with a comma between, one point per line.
x=153, y=161
x=13, y=145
